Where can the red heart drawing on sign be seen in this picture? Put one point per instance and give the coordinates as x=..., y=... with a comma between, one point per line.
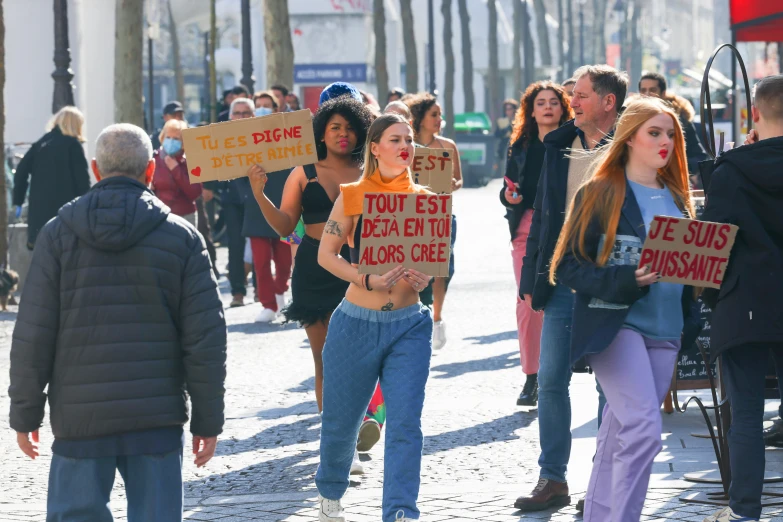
x=196, y=172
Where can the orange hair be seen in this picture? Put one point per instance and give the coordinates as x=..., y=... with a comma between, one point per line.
x=524, y=125
x=602, y=196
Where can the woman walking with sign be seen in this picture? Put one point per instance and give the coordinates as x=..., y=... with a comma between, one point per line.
x=543, y=108
x=627, y=325
x=427, y=121
x=380, y=330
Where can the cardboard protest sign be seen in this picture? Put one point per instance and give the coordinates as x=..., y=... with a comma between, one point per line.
x=224, y=151
x=434, y=169
x=687, y=251
x=412, y=230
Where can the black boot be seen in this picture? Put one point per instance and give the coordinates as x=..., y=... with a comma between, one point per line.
x=529, y=395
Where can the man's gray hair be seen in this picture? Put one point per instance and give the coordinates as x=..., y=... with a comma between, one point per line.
x=246, y=101
x=606, y=80
x=123, y=149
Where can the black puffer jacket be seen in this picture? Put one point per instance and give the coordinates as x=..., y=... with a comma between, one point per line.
x=120, y=316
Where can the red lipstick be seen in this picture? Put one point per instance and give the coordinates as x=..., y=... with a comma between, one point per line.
x=404, y=155
x=663, y=153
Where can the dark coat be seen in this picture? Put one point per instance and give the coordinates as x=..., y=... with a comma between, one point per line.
x=515, y=168
x=604, y=295
x=548, y=215
x=57, y=172
x=121, y=317
x=747, y=190
x=255, y=224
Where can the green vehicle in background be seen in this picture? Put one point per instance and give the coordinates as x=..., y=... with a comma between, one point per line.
x=477, y=148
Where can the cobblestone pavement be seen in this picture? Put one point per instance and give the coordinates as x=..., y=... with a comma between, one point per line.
x=480, y=450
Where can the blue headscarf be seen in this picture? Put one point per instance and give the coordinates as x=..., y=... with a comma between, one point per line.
x=339, y=89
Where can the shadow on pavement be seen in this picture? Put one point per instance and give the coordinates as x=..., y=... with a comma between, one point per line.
x=498, y=362
x=497, y=430
x=289, y=475
x=309, y=408
x=301, y=431
x=250, y=328
x=493, y=338
x=8, y=316
x=306, y=386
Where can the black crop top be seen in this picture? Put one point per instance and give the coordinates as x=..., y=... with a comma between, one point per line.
x=316, y=203
x=357, y=239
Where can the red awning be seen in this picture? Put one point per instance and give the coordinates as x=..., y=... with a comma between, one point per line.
x=757, y=20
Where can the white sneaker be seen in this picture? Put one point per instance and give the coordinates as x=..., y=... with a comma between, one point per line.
x=280, y=298
x=266, y=316
x=727, y=515
x=330, y=510
x=356, y=465
x=438, y=335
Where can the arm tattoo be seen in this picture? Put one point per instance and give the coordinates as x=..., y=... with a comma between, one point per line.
x=333, y=227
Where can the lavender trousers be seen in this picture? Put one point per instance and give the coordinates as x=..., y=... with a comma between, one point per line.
x=635, y=373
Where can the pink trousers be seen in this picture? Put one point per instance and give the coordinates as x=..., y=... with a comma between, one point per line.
x=528, y=320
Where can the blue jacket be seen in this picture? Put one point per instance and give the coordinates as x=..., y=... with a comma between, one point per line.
x=604, y=295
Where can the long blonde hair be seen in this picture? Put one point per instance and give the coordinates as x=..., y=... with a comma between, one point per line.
x=70, y=121
x=374, y=134
x=603, y=195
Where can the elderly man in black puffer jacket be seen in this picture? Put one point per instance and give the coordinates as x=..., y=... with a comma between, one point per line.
x=121, y=317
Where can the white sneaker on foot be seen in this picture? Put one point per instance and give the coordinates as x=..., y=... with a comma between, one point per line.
x=727, y=515
x=369, y=434
x=266, y=316
x=438, y=335
x=356, y=465
x=330, y=510
x=280, y=298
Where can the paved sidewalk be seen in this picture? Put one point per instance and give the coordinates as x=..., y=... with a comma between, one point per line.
x=480, y=450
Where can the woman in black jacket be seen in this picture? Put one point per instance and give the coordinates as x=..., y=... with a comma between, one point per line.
x=543, y=108
x=629, y=326
x=55, y=168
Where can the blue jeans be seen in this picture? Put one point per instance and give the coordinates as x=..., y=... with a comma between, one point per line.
x=362, y=346
x=79, y=489
x=554, y=378
x=745, y=369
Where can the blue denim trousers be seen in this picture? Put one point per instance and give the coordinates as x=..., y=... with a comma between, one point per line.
x=79, y=489
x=745, y=368
x=363, y=346
x=554, y=378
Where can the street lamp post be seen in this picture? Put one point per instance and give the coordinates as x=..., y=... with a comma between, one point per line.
x=431, y=47
x=581, y=32
x=62, y=75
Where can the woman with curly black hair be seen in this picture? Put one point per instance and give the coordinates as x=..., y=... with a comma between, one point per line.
x=340, y=126
x=427, y=121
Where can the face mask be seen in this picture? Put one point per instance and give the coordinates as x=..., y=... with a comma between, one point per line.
x=172, y=146
x=263, y=111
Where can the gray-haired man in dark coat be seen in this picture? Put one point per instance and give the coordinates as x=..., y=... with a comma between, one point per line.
x=121, y=318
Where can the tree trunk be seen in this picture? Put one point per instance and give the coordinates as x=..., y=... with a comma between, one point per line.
x=493, y=74
x=128, y=52
x=562, y=76
x=625, y=43
x=247, y=48
x=529, y=47
x=213, y=113
x=780, y=57
x=571, y=39
x=467, y=56
x=381, y=72
x=599, y=31
x=409, y=39
x=448, y=52
x=543, y=32
x=516, y=56
x=279, y=47
x=636, y=43
x=179, y=77
x=3, y=188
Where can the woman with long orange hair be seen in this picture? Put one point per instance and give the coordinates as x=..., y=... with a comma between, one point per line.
x=543, y=108
x=627, y=324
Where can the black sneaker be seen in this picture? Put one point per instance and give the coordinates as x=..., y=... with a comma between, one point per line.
x=580, y=506
x=529, y=395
